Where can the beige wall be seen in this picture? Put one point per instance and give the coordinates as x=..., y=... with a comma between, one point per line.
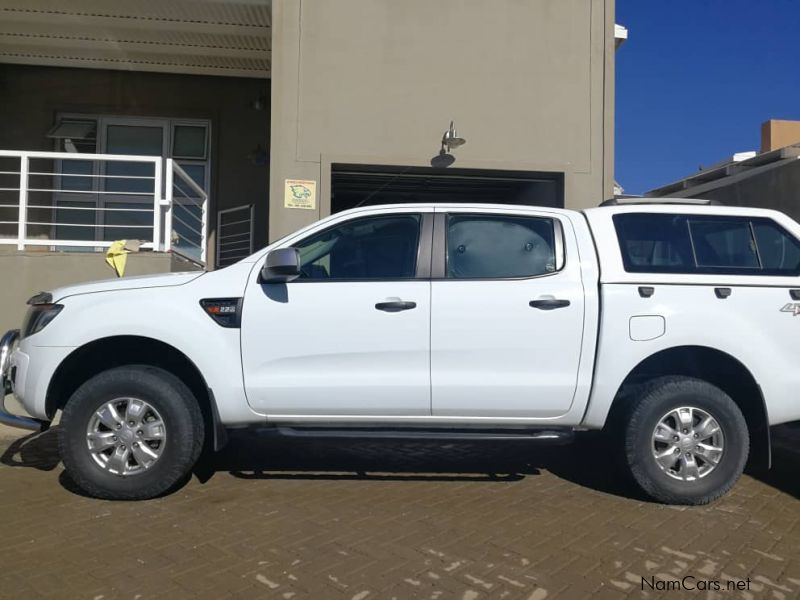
x=528, y=82
x=31, y=97
x=24, y=273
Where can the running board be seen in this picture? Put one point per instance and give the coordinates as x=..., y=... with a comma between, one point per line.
x=551, y=436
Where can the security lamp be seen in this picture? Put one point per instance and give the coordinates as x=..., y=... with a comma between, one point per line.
x=451, y=140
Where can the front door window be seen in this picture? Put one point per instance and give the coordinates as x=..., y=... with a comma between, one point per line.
x=368, y=248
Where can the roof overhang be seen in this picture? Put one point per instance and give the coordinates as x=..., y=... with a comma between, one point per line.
x=739, y=167
x=202, y=37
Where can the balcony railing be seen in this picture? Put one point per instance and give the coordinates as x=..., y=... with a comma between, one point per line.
x=186, y=218
x=69, y=201
x=234, y=234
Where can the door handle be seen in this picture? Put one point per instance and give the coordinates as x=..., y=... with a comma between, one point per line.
x=548, y=303
x=395, y=305
x=795, y=294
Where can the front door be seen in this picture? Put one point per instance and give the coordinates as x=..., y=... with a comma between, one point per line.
x=351, y=335
x=507, y=315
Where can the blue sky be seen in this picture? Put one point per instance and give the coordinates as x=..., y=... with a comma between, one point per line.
x=696, y=79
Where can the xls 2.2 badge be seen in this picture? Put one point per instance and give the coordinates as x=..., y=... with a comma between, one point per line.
x=792, y=307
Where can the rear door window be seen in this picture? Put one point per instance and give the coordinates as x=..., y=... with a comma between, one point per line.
x=499, y=246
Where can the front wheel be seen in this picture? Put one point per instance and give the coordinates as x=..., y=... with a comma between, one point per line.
x=686, y=441
x=130, y=433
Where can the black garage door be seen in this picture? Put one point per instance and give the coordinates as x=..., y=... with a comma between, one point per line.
x=366, y=185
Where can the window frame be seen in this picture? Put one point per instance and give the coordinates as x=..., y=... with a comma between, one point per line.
x=734, y=220
x=102, y=121
x=422, y=267
x=695, y=268
x=205, y=124
x=439, y=268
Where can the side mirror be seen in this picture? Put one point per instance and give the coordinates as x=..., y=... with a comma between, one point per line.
x=281, y=266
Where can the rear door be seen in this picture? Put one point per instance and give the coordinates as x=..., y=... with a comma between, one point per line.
x=507, y=314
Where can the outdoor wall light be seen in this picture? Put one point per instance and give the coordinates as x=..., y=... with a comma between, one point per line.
x=451, y=140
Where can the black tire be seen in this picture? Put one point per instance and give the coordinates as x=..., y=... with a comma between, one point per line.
x=178, y=410
x=656, y=400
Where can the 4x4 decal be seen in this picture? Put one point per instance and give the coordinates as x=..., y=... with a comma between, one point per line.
x=792, y=307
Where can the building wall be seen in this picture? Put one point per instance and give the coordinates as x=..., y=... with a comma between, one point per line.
x=33, y=272
x=529, y=84
x=31, y=97
x=777, y=188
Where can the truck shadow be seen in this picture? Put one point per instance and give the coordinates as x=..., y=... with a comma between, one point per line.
x=251, y=454
x=34, y=451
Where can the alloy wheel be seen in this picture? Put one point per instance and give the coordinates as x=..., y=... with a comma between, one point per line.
x=126, y=436
x=688, y=443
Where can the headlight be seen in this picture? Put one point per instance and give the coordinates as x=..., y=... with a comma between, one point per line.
x=41, y=312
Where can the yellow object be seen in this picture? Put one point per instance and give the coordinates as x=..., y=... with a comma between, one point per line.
x=117, y=257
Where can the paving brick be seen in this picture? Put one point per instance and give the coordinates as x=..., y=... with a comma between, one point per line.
x=360, y=519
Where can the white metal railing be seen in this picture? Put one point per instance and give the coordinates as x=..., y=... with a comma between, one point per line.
x=234, y=234
x=67, y=200
x=186, y=220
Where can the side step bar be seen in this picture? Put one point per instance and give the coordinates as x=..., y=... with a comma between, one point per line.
x=551, y=436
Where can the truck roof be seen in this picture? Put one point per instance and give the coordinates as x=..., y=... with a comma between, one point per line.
x=655, y=205
x=679, y=205
x=628, y=200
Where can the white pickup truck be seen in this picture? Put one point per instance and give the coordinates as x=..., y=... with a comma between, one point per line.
x=672, y=326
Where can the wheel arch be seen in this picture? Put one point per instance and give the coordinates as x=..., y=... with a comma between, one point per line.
x=109, y=352
x=716, y=367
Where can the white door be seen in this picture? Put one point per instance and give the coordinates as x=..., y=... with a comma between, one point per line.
x=506, y=315
x=351, y=336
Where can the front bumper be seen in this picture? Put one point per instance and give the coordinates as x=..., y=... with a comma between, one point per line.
x=7, y=343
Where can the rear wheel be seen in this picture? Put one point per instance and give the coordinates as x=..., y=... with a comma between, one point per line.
x=686, y=441
x=130, y=433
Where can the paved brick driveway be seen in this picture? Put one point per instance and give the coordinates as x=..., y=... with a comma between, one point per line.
x=360, y=520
